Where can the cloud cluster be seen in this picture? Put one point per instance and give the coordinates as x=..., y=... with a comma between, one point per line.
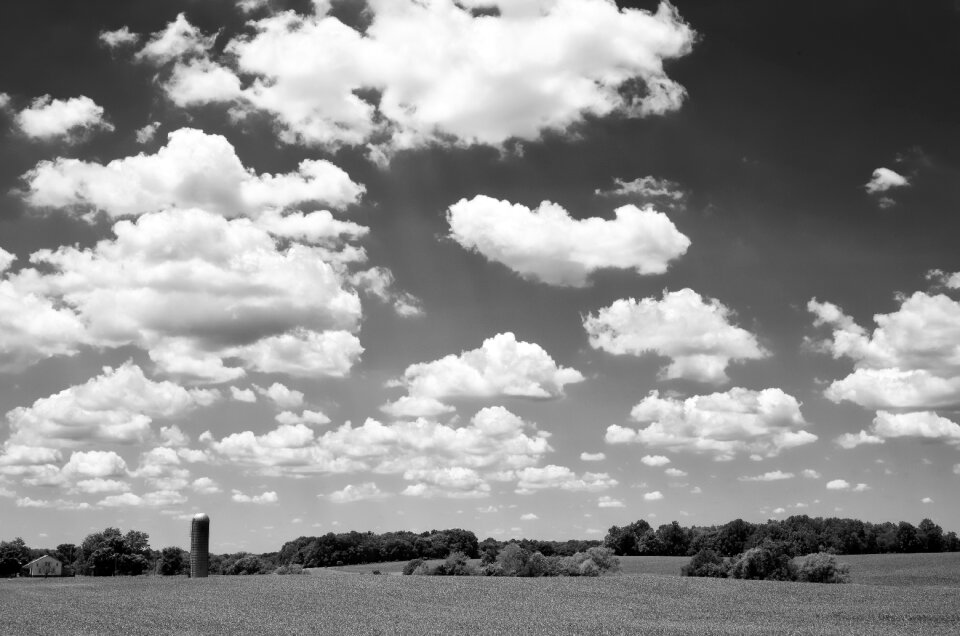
x=550, y=246
x=694, y=332
x=434, y=72
x=193, y=170
x=435, y=459
x=239, y=296
x=760, y=423
x=47, y=118
x=117, y=406
x=501, y=366
x=908, y=368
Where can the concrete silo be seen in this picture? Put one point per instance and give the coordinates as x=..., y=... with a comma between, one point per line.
x=199, y=545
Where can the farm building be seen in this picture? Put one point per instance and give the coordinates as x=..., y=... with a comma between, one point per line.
x=45, y=566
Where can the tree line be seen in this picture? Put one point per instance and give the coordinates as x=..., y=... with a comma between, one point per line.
x=799, y=534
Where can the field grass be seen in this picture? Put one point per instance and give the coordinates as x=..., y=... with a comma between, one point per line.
x=332, y=602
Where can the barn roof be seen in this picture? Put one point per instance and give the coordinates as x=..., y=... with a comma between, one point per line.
x=45, y=556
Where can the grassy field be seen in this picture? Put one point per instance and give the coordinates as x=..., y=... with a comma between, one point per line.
x=336, y=602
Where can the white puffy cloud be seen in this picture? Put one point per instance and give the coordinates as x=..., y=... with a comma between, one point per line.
x=243, y=395
x=432, y=72
x=95, y=464
x=884, y=179
x=116, y=406
x=529, y=517
x=695, y=334
x=409, y=406
x=148, y=132
x=99, y=485
x=533, y=479
x=592, y=457
x=193, y=170
x=861, y=487
x=926, y=500
x=58, y=504
x=308, y=417
x=282, y=396
x=33, y=327
x=267, y=497
x=911, y=361
x=838, y=484
x=947, y=279
x=761, y=423
x=48, y=118
x=205, y=486
x=917, y=424
x=654, y=460
x=609, y=502
x=501, y=366
x=454, y=482
x=239, y=295
x=179, y=39
x=810, y=473
x=201, y=81
x=663, y=191
x=656, y=495
x=118, y=38
x=156, y=499
x=361, y=492
x=775, y=475
x=675, y=472
x=550, y=246
x=495, y=441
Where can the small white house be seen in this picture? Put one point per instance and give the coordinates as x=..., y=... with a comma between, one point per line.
x=45, y=566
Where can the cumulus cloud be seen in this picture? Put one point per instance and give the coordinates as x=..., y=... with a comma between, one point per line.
x=675, y=472
x=501, y=366
x=240, y=295
x=95, y=464
x=47, y=118
x=695, y=333
x=550, y=246
x=654, y=460
x=434, y=73
x=438, y=459
x=609, y=502
x=117, y=406
x=361, y=492
x=911, y=361
x=118, y=38
x=267, y=497
x=311, y=418
x=533, y=479
x=156, y=499
x=761, y=423
x=146, y=134
x=884, y=179
x=529, y=517
x=205, y=486
x=838, y=484
x=193, y=170
x=810, y=473
x=179, y=39
x=649, y=188
x=281, y=395
x=409, y=406
x=656, y=495
x=919, y=424
x=243, y=395
x=592, y=457
x=776, y=475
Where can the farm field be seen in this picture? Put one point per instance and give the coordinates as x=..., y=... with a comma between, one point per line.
x=332, y=602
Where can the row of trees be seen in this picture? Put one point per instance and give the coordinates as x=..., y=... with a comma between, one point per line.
x=513, y=560
x=805, y=535
x=351, y=548
x=770, y=561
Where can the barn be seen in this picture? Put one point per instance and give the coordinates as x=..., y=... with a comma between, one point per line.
x=45, y=566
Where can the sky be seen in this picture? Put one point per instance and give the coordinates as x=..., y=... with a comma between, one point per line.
x=531, y=268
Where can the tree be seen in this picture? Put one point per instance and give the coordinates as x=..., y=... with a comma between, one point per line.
x=110, y=552
x=706, y=563
x=907, y=539
x=13, y=556
x=173, y=561
x=930, y=536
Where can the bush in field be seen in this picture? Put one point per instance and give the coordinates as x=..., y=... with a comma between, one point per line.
x=292, y=568
x=589, y=568
x=412, y=566
x=174, y=561
x=455, y=565
x=770, y=561
x=512, y=559
x=822, y=568
x=491, y=569
x=706, y=562
x=247, y=564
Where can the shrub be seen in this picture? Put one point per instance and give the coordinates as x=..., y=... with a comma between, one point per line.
x=706, y=562
x=492, y=569
x=822, y=568
x=539, y=565
x=769, y=561
x=455, y=565
x=376, y=572
x=512, y=558
x=293, y=568
x=424, y=569
x=412, y=566
x=604, y=559
x=589, y=568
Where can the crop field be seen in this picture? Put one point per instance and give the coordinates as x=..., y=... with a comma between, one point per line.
x=336, y=602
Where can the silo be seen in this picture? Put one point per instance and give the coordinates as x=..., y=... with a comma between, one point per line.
x=199, y=546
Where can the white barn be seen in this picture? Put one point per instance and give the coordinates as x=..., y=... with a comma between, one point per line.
x=45, y=566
